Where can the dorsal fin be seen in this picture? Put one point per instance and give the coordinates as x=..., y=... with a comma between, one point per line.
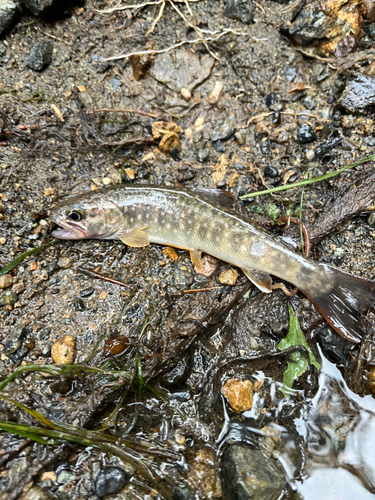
x=216, y=196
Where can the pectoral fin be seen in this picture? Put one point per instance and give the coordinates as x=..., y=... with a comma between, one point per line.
x=135, y=238
x=205, y=265
x=261, y=280
x=195, y=256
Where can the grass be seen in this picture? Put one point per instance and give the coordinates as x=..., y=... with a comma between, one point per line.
x=308, y=181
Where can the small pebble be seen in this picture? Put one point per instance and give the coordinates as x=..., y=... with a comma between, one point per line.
x=102, y=295
x=116, y=346
x=228, y=277
x=13, y=341
x=65, y=262
x=239, y=393
x=18, y=287
x=33, y=266
x=106, y=181
x=271, y=171
x=171, y=253
x=63, y=351
x=111, y=480
x=8, y=298
x=48, y=475
x=3, y=241
x=6, y=281
x=306, y=134
x=49, y=191
x=186, y=94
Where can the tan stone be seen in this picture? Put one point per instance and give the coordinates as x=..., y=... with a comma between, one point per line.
x=239, y=393
x=63, y=351
x=228, y=277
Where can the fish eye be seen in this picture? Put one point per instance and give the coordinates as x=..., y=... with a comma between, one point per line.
x=75, y=214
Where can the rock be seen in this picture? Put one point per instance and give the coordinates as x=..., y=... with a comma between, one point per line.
x=6, y=281
x=63, y=351
x=324, y=149
x=370, y=10
x=9, y=14
x=270, y=100
x=41, y=7
x=13, y=340
x=242, y=10
x=248, y=475
x=66, y=476
x=306, y=134
x=239, y=393
x=8, y=298
x=331, y=32
x=39, y=56
x=111, y=480
x=214, y=96
x=65, y=262
x=115, y=346
x=37, y=493
x=183, y=69
x=271, y=171
x=225, y=130
x=202, y=154
x=228, y=277
x=218, y=146
x=178, y=374
x=359, y=94
x=290, y=73
x=86, y=292
x=182, y=493
x=309, y=102
x=18, y=287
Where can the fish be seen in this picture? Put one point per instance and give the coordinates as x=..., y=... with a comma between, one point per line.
x=204, y=220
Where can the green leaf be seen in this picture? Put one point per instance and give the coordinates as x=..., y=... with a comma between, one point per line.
x=298, y=365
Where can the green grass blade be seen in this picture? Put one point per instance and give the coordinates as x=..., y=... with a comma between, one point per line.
x=308, y=181
x=20, y=258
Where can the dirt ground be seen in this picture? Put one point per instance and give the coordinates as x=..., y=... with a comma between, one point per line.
x=184, y=345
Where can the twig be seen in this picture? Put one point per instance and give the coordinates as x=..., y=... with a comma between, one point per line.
x=110, y=110
x=125, y=7
x=184, y=42
x=161, y=10
x=203, y=289
x=309, y=181
x=93, y=274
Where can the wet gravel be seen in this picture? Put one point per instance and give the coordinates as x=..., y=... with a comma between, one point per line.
x=280, y=117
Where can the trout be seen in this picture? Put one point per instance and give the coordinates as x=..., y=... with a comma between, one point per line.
x=203, y=220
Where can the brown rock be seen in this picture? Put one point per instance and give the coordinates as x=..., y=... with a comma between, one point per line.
x=228, y=277
x=239, y=393
x=6, y=281
x=63, y=351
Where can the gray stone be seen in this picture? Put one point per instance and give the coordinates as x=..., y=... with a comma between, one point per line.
x=243, y=10
x=202, y=154
x=9, y=14
x=359, y=94
x=225, y=130
x=40, y=7
x=37, y=493
x=13, y=340
x=111, y=480
x=182, y=69
x=247, y=474
x=8, y=298
x=40, y=56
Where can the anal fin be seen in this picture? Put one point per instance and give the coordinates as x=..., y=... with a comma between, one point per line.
x=135, y=238
x=261, y=280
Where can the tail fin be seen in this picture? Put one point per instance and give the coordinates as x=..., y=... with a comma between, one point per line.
x=343, y=304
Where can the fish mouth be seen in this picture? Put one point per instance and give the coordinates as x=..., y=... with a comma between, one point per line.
x=71, y=231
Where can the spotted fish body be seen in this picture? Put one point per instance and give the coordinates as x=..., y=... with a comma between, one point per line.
x=202, y=220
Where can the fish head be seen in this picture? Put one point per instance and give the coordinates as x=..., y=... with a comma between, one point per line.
x=87, y=216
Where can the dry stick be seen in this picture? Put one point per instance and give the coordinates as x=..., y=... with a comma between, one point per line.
x=203, y=289
x=113, y=110
x=94, y=274
x=161, y=10
x=125, y=7
x=184, y=42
